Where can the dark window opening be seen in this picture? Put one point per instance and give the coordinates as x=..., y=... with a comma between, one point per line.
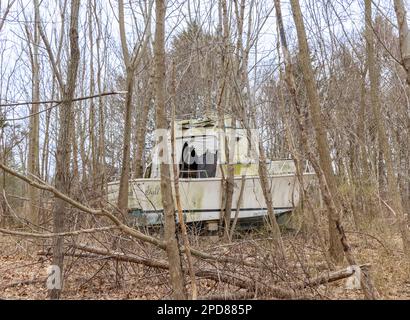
x=197, y=166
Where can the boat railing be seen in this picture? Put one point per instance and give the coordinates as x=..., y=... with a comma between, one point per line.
x=197, y=173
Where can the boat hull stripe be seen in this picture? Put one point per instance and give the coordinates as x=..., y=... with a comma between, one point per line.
x=215, y=210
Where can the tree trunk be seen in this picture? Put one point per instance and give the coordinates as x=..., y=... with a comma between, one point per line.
x=125, y=165
x=393, y=192
x=172, y=246
x=92, y=122
x=266, y=189
x=181, y=221
x=34, y=144
x=131, y=62
x=336, y=250
x=142, y=126
x=404, y=35
x=101, y=110
x=62, y=179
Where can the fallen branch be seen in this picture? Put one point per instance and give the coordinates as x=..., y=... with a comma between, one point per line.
x=123, y=257
x=250, y=285
x=207, y=274
x=51, y=235
x=329, y=277
x=244, y=283
x=123, y=227
x=74, y=254
x=233, y=296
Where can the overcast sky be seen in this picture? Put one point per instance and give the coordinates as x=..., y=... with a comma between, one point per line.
x=14, y=63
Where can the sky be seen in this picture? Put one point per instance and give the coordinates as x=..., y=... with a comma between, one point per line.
x=15, y=69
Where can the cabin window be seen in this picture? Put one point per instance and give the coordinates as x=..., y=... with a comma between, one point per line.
x=198, y=158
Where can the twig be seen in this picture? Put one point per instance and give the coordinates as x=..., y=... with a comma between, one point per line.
x=56, y=104
x=13, y=104
x=371, y=236
x=51, y=235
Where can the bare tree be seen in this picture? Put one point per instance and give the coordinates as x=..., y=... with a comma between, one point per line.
x=6, y=12
x=404, y=40
x=336, y=249
x=404, y=36
x=130, y=62
x=173, y=252
x=393, y=194
x=34, y=144
x=63, y=155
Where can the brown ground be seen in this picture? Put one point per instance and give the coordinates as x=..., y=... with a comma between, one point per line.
x=94, y=278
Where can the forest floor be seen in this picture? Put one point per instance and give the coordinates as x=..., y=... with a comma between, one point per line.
x=23, y=271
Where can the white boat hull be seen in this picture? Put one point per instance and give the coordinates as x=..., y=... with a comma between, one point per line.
x=201, y=198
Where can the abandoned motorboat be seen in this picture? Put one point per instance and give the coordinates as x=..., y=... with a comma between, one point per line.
x=199, y=151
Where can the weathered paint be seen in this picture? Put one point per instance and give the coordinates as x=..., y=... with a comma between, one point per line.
x=200, y=198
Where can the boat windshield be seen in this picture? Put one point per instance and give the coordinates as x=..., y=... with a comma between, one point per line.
x=198, y=157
